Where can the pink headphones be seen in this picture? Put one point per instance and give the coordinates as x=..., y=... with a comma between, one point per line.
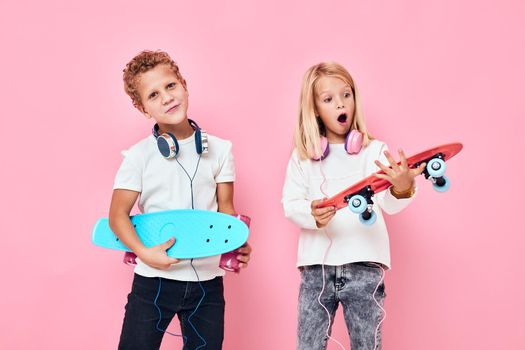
x=353, y=143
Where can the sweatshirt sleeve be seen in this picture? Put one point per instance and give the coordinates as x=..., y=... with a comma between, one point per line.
x=295, y=201
x=386, y=200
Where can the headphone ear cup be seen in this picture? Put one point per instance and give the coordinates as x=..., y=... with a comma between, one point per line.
x=198, y=141
x=324, y=149
x=203, y=138
x=168, y=145
x=353, y=142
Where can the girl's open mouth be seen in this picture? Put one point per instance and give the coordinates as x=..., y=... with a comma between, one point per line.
x=342, y=118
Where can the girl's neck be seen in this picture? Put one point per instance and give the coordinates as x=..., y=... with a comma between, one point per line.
x=335, y=138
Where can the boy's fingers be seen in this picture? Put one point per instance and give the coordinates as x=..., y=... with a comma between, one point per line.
x=245, y=249
x=243, y=258
x=166, y=245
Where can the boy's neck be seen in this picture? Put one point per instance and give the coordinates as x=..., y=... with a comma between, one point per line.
x=181, y=131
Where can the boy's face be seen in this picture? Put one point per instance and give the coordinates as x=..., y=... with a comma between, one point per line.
x=335, y=105
x=164, y=98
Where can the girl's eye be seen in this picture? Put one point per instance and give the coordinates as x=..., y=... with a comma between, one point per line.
x=327, y=100
x=171, y=85
x=347, y=95
x=152, y=95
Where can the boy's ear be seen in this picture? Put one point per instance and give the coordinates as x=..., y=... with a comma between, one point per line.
x=141, y=110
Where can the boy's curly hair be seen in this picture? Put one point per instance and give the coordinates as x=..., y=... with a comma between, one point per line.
x=143, y=62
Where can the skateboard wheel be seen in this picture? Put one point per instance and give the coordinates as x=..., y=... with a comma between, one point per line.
x=444, y=187
x=357, y=204
x=369, y=221
x=436, y=167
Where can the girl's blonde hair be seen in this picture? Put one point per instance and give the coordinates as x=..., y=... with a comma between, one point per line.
x=307, y=133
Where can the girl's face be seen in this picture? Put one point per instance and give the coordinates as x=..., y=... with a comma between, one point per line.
x=334, y=103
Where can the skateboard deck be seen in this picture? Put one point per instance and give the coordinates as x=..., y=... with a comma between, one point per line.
x=358, y=197
x=198, y=233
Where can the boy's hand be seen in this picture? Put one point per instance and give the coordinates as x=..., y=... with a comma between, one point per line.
x=244, y=255
x=156, y=256
x=322, y=215
x=401, y=176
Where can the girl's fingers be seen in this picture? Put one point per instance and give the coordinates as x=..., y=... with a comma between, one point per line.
x=384, y=177
x=322, y=211
x=325, y=216
x=403, y=158
x=391, y=160
x=385, y=169
x=417, y=171
x=325, y=221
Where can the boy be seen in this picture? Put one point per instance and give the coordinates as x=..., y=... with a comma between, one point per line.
x=192, y=178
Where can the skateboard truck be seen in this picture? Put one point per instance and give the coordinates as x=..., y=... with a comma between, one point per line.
x=435, y=170
x=361, y=203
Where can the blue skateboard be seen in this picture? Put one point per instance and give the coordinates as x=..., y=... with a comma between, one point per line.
x=198, y=233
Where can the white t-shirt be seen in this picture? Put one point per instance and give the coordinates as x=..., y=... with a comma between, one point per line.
x=163, y=185
x=352, y=241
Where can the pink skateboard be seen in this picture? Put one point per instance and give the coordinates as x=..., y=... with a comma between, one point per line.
x=358, y=197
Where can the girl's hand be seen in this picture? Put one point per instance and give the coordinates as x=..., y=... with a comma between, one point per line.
x=244, y=255
x=322, y=215
x=156, y=256
x=399, y=175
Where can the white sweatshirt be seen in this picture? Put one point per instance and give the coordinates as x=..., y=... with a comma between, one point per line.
x=352, y=241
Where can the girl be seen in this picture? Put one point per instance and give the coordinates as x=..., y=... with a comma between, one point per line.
x=340, y=259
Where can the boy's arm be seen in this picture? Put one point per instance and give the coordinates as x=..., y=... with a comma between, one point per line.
x=122, y=202
x=225, y=198
x=225, y=202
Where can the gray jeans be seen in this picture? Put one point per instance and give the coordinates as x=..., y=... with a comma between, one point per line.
x=352, y=285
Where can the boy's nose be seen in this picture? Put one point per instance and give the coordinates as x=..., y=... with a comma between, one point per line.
x=166, y=98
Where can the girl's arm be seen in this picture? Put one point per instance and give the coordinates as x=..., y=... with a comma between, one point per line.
x=225, y=203
x=122, y=202
x=296, y=204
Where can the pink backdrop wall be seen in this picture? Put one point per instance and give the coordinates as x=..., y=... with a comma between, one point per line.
x=429, y=73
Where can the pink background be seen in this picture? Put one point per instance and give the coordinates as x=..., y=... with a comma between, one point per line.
x=429, y=73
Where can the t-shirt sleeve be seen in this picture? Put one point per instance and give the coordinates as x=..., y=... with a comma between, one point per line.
x=226, y=171
x=129, y=175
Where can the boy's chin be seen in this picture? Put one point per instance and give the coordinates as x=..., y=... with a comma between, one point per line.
x=174, y=120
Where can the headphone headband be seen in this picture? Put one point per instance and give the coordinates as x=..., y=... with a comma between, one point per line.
x=169, y=147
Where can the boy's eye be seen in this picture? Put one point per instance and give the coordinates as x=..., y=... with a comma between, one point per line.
x=152, y=95
x=171, y=85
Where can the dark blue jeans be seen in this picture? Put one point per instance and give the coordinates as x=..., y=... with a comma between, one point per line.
x=351, y=285
x=139, y=330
